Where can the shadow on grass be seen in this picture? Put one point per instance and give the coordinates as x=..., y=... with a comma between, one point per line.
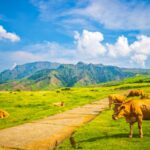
x=115, y=136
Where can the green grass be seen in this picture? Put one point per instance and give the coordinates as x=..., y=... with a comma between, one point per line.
x=25, y=106
x=102, y=133
x=106, y=134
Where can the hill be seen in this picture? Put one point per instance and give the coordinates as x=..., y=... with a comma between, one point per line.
x=22, y=71
x=46, y=75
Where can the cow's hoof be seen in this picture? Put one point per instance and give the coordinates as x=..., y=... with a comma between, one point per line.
x=130, y=136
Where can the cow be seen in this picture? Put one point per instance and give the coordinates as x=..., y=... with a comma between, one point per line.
x=134, y=111
x=145, y=96
x=59, y=104
x=116, y=99
x=135, y=92
x=3, y=114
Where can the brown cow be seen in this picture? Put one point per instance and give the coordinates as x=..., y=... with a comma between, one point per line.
x=59, y=104
x=116, y=99
x=134, y=111
x=135, y=92
x=145, y=96
x=3, y=114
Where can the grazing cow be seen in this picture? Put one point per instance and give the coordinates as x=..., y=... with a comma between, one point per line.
x=115, y=99
x=145, y=96
x=134, y=111
x=135, y=93
x=59, y=104
x=3, y=114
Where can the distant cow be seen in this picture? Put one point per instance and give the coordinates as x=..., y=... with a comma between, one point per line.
x=134, y=111
x=135, y=92
x=3, y=114
x=145, y=96
x=59, y=104
x=115, y=99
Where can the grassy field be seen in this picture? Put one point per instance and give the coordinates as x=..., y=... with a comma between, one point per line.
x=106, y=134
x=25, y=106
x=102, y=133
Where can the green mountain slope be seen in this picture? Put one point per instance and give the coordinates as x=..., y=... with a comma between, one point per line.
x=65, y=75
x=22, y=71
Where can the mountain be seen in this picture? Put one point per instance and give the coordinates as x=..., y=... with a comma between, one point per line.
x=46, y=75
x=21, y=71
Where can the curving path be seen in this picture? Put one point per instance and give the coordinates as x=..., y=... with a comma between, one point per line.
x=47, y=134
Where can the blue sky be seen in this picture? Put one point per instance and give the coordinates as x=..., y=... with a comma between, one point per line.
x=111, y=32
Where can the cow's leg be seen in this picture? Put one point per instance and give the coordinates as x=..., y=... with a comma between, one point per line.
x=131, y=130
x=140, y=126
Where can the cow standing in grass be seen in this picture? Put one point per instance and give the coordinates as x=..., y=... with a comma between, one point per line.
x=135, y=92
x=134, y=111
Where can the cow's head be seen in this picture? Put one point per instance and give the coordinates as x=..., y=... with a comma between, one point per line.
x=120, y=112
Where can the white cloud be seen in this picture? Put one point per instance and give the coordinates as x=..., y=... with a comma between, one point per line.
x=116, y=14
x=8, y=35
x=136, y=53
x=142, y=45
x=22, y=55
x=88, y=47
x=88, y=44
x=113, y=14
x=120, y=48
x=139, y=59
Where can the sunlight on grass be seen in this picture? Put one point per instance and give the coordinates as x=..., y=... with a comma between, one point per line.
x=102, y=133
x=106, y=134
x=25, y=106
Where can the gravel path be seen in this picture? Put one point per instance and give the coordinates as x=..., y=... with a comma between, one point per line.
x=48, y=133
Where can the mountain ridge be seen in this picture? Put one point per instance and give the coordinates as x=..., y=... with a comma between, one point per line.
x=48, y=75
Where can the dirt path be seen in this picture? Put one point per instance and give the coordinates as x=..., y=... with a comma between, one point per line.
x=47, y=133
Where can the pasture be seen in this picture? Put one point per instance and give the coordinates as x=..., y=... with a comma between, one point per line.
x=102, y=133
x=26, y=106
x=106, y=134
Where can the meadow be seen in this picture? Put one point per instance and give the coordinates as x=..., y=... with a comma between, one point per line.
x=102, y=133
x=106, y=134
x=26, y=106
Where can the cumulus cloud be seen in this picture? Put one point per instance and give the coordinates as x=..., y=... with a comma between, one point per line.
x=120, y=48
x=8, y=35
x=142, y=45
x=137, y=52
x=88, y=44
x=88, y=47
